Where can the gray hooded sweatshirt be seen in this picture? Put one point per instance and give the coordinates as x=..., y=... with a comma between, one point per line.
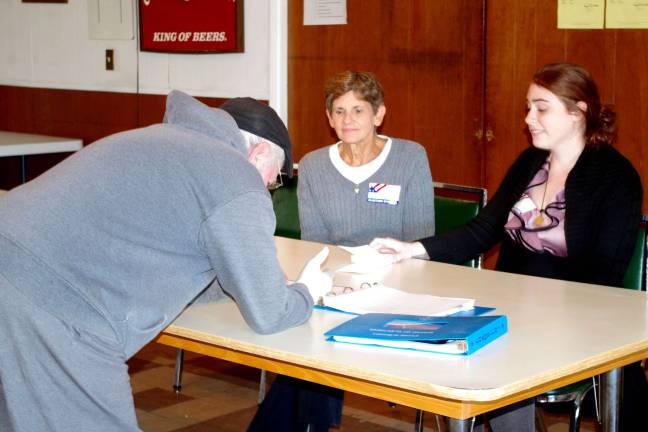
x=120, y=236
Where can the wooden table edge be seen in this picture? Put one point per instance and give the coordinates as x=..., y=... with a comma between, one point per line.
x=32, y=149
x=452, y=402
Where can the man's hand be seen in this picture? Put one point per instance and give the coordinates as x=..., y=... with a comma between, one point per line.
x=318, y=282
x=397, y=249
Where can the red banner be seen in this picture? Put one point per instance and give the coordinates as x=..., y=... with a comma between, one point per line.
x=191, y=26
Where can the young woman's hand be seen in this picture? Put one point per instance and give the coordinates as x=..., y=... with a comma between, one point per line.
x=399, y=250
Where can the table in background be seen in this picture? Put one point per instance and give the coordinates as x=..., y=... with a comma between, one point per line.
x=22, y=144
x=559, y=332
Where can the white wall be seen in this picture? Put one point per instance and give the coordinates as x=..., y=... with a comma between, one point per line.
x=48, y=45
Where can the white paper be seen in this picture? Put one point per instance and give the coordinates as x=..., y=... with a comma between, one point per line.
x=581, y=14
x=450, y=347
x=325, y=12
x=626, y=14
x=382, y=299
x=365, y=260
x=367, y=254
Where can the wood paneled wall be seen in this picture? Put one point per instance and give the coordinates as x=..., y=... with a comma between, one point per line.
x=427, y=54
x=521, y=37
x=88, y=115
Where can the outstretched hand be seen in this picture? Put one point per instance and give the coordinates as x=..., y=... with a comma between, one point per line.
x=317, y=281
x=399, y=250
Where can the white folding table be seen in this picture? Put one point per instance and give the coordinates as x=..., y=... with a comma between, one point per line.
x=23, y=144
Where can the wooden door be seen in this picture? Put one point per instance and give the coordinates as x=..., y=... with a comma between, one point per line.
x=428, y=56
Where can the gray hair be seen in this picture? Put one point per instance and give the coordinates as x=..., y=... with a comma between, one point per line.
x=276, y=155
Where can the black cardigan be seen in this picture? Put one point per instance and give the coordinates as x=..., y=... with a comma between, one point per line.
x=603, y=197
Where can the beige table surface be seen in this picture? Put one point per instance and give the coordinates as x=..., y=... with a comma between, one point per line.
x=22, y=144
x=559, y=332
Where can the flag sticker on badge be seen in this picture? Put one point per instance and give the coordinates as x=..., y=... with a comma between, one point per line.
x=383, y=193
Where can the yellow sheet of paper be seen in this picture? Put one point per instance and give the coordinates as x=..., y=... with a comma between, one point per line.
x=626, y=14
x=581, y=14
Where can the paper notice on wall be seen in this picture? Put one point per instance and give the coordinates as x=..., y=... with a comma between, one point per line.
x=325, y=12
x=581, y=14
x=630, y=14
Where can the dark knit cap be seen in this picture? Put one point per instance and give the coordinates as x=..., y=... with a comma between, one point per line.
x=259, y=119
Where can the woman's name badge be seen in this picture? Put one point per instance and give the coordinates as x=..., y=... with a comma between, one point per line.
x=383, y=193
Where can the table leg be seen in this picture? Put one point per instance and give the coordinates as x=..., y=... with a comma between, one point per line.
x=456, y=425
x=23, y=169
x=262, y=386
x=177, y=382
x=610, y=397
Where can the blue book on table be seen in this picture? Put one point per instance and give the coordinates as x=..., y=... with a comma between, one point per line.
x=476, y=311
x=450, y=335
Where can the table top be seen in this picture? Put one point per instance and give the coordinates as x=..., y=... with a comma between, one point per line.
x=559, y=332
x=22, y=144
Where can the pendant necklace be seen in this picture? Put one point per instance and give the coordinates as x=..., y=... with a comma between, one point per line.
x=539, y=220
x=356, y=186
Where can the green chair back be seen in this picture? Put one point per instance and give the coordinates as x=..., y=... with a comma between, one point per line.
x=284, y=201
x=635, y=277
x=451, y=212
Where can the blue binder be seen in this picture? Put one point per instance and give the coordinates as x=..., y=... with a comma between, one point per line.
x=450, y=335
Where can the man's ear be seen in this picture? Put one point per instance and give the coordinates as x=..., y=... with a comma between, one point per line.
x=258, y=152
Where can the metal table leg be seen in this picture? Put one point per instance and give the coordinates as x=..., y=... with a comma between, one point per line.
x=456, y=425
x=177, y=384
x=23, y=169
x=262, y=386
x=610, y=399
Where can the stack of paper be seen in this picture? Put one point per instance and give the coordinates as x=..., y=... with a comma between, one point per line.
x=382, y=299
x=365, y=259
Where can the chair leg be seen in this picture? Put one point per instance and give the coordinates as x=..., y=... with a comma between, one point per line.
x=262, y=386
x=418, y=423
x=541, y=426
x=177, y=385
x=597, y=406
x=574, y=421
x=438, y=419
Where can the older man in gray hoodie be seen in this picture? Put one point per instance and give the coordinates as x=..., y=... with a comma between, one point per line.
x=104, y=250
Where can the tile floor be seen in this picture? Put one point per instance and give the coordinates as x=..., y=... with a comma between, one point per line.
x=221, y=396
